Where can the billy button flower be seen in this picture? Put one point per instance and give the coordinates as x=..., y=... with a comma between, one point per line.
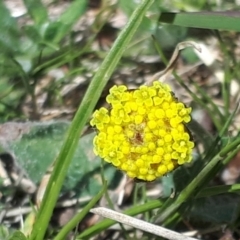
x=143, y=133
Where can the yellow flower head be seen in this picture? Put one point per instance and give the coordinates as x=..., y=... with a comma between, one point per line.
x=143, y=133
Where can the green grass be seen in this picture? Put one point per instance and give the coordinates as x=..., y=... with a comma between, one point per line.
x=49, y=48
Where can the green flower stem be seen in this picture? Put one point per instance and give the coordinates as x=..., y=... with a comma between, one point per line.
x=106, y=195
x=108, y=223
x=171, y=205
x=197, y=183
x=88, y=103
x=194, y=185
x=230, y=147
x=77, y=218
x=109, y=201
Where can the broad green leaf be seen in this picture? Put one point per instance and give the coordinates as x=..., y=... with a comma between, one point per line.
x=39, y=146
x=217, y=209
x=37, y=11
x=227, y=20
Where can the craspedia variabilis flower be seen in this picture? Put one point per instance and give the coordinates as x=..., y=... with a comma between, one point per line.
x=143, y=132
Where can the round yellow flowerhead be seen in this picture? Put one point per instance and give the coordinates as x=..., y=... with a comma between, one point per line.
x=143, y=131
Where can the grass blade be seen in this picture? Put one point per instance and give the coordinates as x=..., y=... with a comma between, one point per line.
x=88, y=103
x=106, y=223
x=37, y=11
x=57, y=30
x=9, y=31
x=228, y=20
x=76, y=219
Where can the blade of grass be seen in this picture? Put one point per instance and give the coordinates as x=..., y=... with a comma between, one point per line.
x=65, y=22
x=199, y=101
x=140, y=224
x=77, y=218
x=88, y=103
x=174, y=218
x=210, y=20
x=9, y=31
x=69, y=55
x=110, y=202
x=229, y=147
x=37, y=11
x=228, y=73
x=204, y=175
x=194, y=186
x=193, y=125
x=97, y=228
x=204, y=96
x=212, y=191
x=219, y=147
x=200, y=133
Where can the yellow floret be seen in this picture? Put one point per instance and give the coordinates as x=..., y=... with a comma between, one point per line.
x=139, y=163
x=125, y=150
x=168, y=138
x=148, y=136
x=150, y=177
x=160, y=113
x=162, y=169
x=138, y=119
x=143, y=133
x=117, y=94
x=151, y=146
x=157, y=159
x=152, y=124
x=143, y=171
x=160, y=151
x=117, y=129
